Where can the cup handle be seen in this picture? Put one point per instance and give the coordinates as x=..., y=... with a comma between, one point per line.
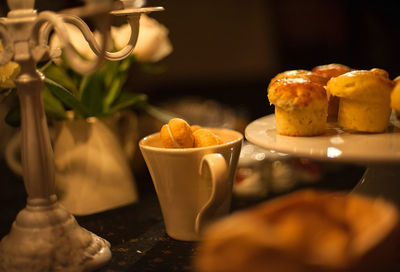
x=218, y=171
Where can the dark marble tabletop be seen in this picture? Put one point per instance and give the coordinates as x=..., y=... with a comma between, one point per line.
x=136, y=232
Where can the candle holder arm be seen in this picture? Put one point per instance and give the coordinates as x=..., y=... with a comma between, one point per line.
x=48, y=21
x=88, y=35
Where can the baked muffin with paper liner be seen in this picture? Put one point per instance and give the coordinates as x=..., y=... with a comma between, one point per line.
x=364, y=99
x=329, y=71
x=301, y=105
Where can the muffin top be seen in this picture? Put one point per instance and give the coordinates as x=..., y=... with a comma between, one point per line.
x=314, y=77
x=331, y=70
x=365, y=85
x=297, y=93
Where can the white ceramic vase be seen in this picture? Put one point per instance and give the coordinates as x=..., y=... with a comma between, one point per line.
x=91, y=161
x=91, y=158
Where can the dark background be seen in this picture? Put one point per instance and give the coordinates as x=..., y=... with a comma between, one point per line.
x=228, y=50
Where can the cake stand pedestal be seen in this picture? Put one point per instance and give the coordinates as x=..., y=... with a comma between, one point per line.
x=380, y=152
x=381, y=181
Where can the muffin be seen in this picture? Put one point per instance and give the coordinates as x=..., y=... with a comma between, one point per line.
x=314, y=77
x=364, y=100
x=395, y=97
x=329, y=71
x=301, y=105
x=306, y=231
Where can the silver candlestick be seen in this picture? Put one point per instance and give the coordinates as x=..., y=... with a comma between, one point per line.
x=44, y=235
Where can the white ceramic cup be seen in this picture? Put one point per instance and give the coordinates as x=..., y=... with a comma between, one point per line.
x=193, y=185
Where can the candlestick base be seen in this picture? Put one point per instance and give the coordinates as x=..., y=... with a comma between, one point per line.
x=46, y=237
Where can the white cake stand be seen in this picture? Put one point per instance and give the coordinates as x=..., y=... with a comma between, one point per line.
x=380, y=153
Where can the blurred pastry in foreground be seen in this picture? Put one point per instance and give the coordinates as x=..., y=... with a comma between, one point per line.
x=364, y=99
x=301, y=104
x=306, y=231
x=329, y=71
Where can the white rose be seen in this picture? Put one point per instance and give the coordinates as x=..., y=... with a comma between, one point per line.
x=133, y=3
x=77, y=40
x=153, y=43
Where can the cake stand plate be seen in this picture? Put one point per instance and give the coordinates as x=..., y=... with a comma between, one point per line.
x=380, y=152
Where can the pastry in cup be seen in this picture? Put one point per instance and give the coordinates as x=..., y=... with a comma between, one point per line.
x=306, y=231
x=364, y=100
x=179, y=134
x=329, y=71
x=205, y=137
x=301, y=106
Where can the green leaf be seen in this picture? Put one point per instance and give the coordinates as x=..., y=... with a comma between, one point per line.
x=91, y=94
x=59, y=75
x=116, y=74
x=66, y=98
x=129, y=100
x=126, y=64
x=44, y=67
x=5, y=93
x=110, y=71
x=13, y=117
x=52, y=106
x=112, y=94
